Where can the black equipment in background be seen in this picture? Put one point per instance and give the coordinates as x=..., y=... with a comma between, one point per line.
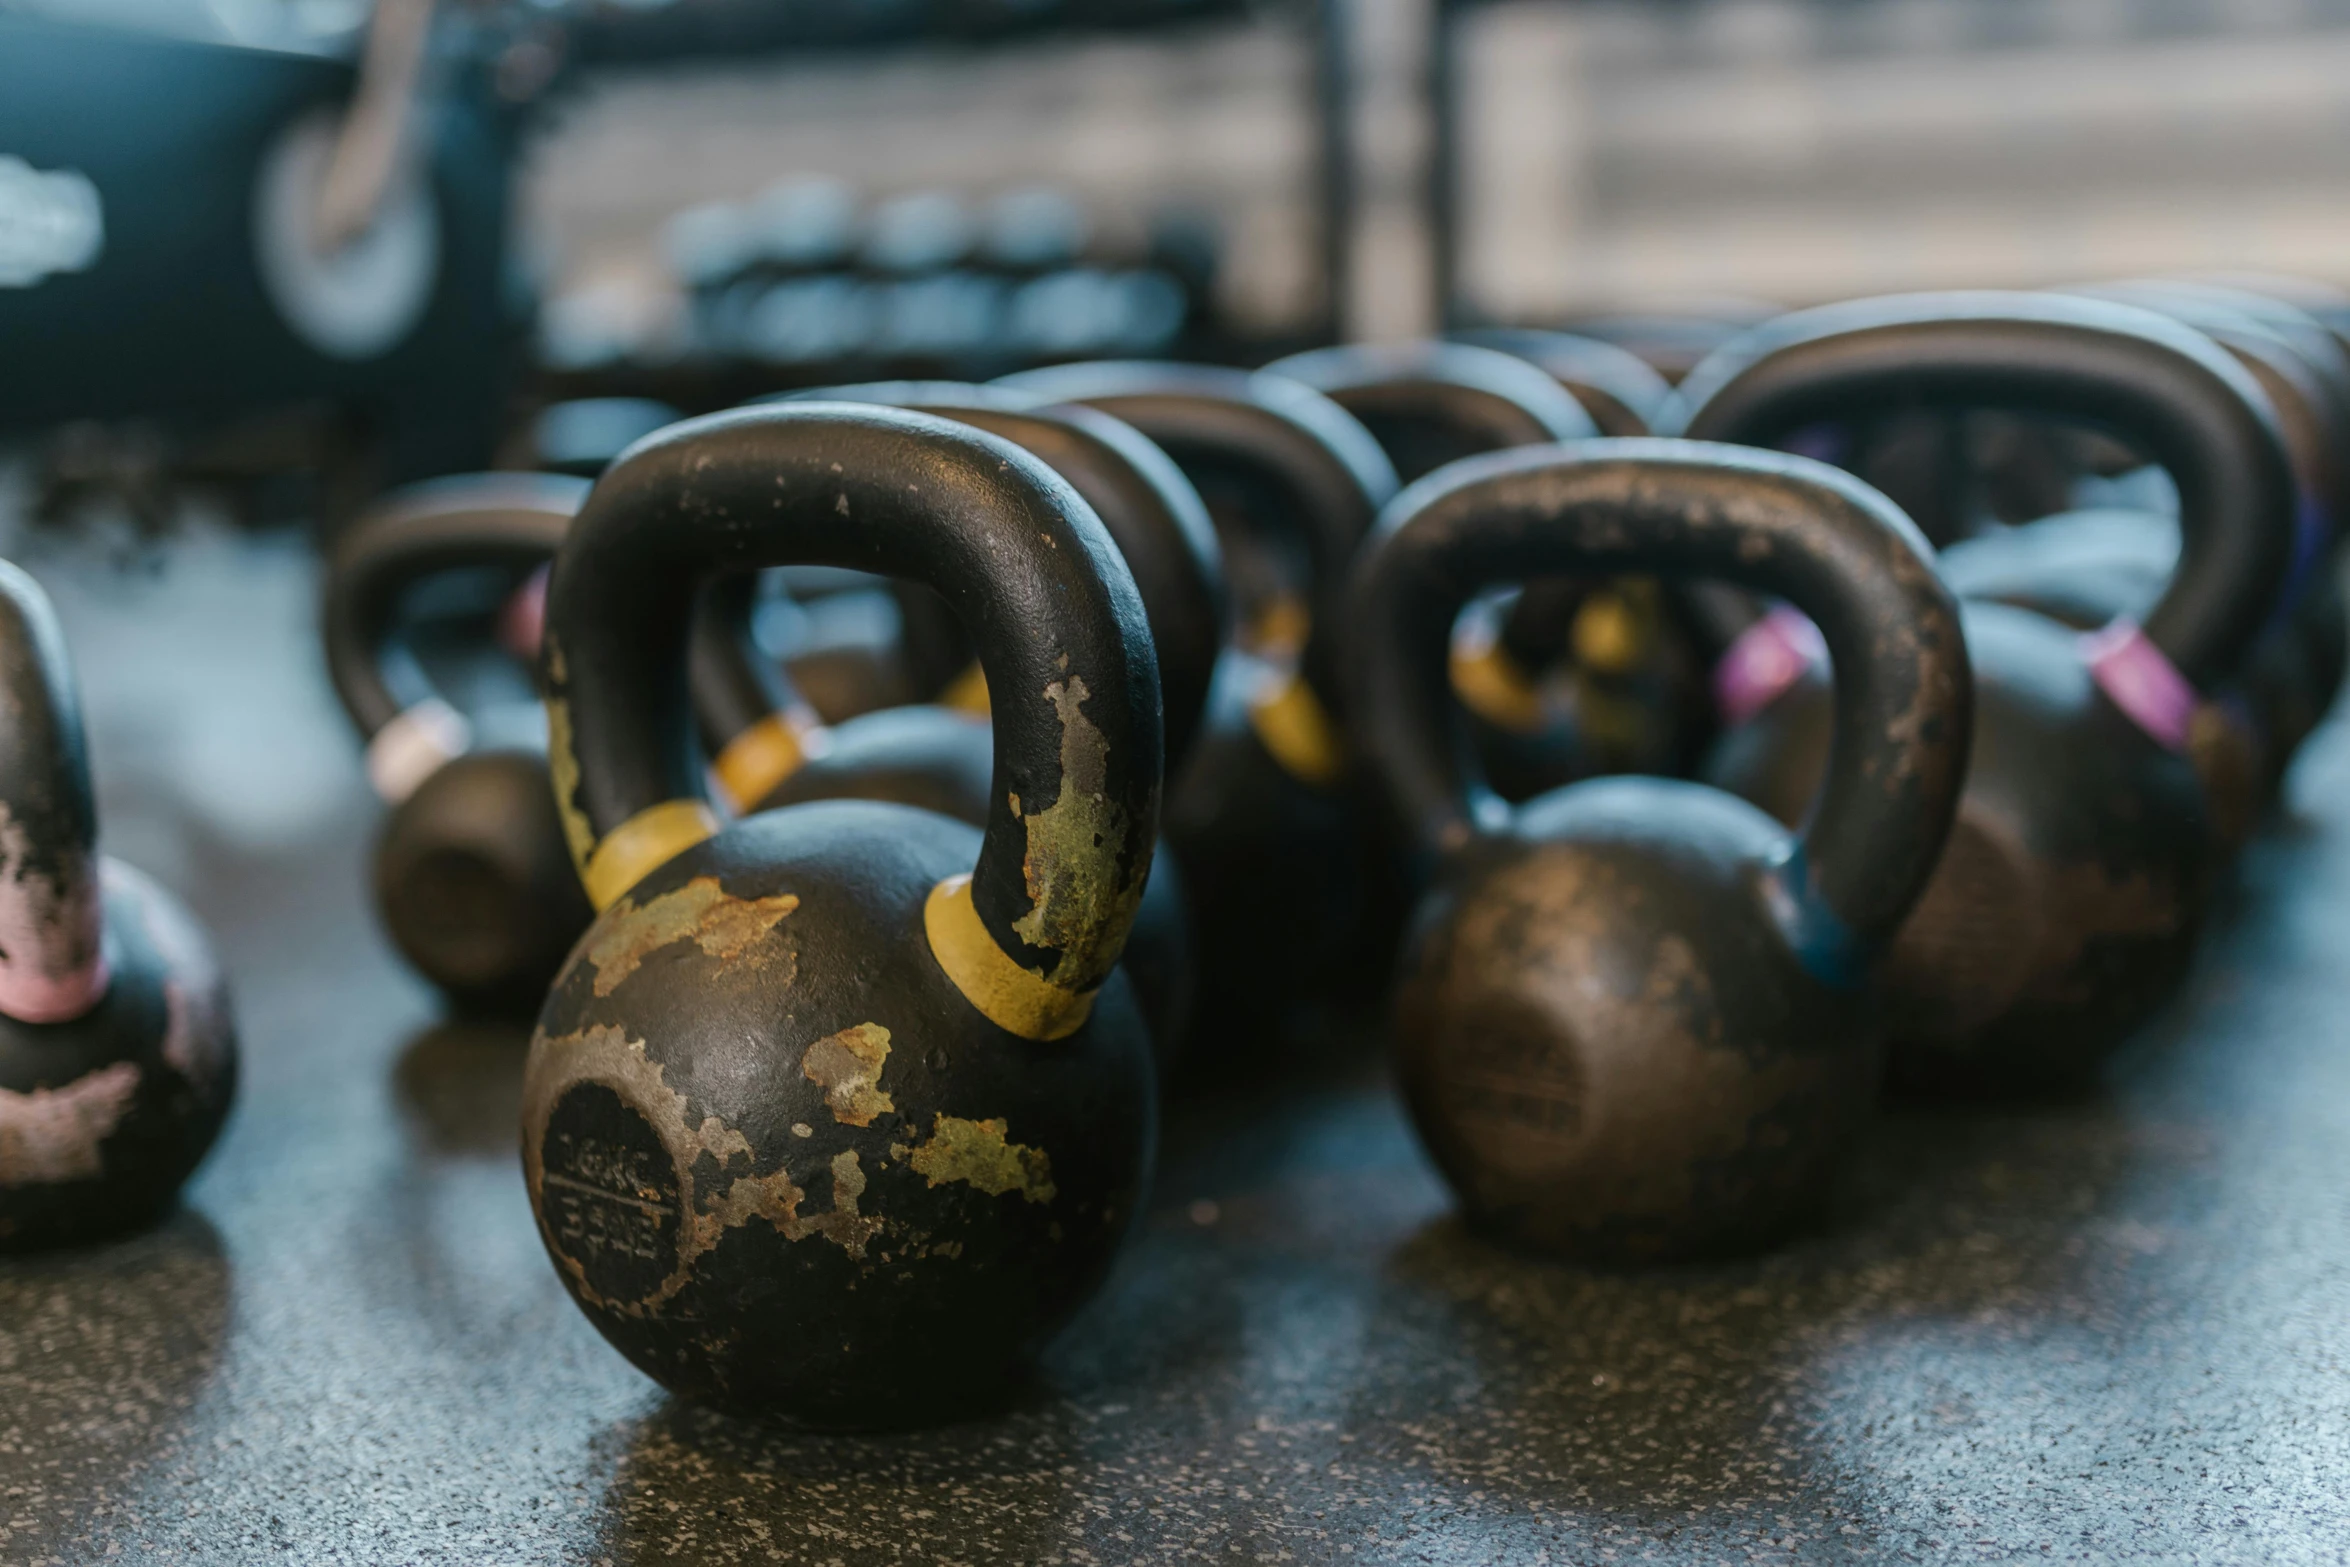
x=159, y=257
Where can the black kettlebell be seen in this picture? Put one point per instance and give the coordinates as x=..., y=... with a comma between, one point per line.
x=2296, y=671
x=2090, y=567
x=1276, y=853
x=839, y=1110
x=472, y=880
x=1637, y=1019
x=1616, y=387
x=2065, y=908
x=1673, y=342
x=768, y=756
x=118, y=1056
x=1561, y=679
x=1428, y=403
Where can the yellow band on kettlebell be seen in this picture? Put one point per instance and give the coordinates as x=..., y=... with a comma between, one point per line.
x=1608, y=634
x=1279, y=628
x=967, y=692
x=1017, y=1000
x=1490, y=684
x=641, y=845
x=762, y=756
x=1293, y=726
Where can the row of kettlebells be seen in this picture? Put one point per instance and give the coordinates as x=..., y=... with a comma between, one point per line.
x=866, y=1050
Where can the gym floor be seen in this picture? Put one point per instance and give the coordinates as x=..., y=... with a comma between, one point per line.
x=2114, y=1329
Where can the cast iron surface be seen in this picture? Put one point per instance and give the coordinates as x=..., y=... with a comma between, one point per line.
x=755, y=1098
x=2062, y=913
x=1636, y=1017
x=117, y=1052
x=941, y=759
x=1614, y=385
x=1282, y=876
x=2113, y=1329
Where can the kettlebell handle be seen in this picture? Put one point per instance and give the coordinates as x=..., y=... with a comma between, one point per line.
x=1060, y=632
x=1334, y=475
x=1153, y=514
x=1491, y=398
x=487, y=519
x=53, y=964
x=1780, y=525
x=2162, y=386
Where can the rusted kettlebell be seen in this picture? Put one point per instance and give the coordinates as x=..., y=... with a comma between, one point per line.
x=1637, y=1019
x=472, y=879
x=1276, y=852
x=118, y=1055
x=2063, y=912
x=767, y=754
x=839, y=1110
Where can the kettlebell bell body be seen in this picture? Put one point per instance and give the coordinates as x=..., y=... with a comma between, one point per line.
x=118, y=1054
x=1636, y=1020
x=847, y=1066
x=472, y=879
x=2063, y=910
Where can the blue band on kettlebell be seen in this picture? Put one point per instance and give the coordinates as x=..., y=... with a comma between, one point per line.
x=1829, y=950
x=2313, y=533
x=1827, y=441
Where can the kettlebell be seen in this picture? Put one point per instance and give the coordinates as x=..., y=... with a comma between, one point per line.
x=118, y=1056
x=1637, y=1016
x=2296, y=670
x=1561, y=679
x=839, y=1110
x=1616, y=387
x=1672, y=342
x=1275, y=850
x=1428, y=403
x=940, y=759
x=2066, y=905
x=2089, y=567
x=472, y=879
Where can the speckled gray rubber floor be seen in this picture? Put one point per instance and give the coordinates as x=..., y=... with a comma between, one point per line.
x=2118, y=1329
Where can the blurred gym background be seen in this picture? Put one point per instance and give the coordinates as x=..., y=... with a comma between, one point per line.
x=289, y=251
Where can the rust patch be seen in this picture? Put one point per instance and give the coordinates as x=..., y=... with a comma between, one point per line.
x=53, y=1135
x=723, y=927
x=563, y=762
x=606, y=1057
x=52, y=926
x=844, y=1226
x=975, y=1153
x=197, y=1029
x=847, y=1066
x=771, y=1197
x=1071, y=867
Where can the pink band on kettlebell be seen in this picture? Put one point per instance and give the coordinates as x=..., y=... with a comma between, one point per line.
x=1768, y=657
x=2139, y=678
x=52, y=943
x=522, y=624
